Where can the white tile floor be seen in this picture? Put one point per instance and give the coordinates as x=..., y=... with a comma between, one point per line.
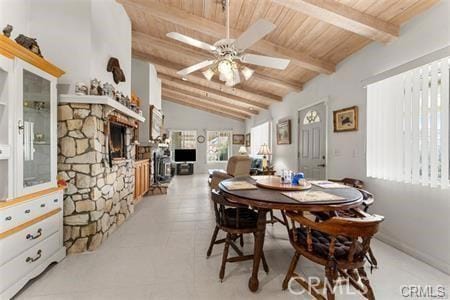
x=160, y=253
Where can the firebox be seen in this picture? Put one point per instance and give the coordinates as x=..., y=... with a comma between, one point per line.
x=117, y=134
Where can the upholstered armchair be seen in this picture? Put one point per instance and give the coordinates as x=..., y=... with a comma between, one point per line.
x=238, y=165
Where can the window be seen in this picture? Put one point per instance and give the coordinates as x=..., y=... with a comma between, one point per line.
x=182, y=139
x=311, y=117
x=219, y=146
x=260, y=135
x=408, y=126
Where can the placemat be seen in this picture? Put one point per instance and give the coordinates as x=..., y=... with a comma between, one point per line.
x=239, y=185
x=313, y=197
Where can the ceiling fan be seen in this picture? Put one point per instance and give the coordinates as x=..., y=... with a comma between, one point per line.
x=229, y=54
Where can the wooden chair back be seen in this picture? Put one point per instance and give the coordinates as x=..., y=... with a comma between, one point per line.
x=359, y=230
x=356, y=183
x=220, y=206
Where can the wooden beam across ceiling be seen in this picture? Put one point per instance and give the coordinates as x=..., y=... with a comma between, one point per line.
x=174, y=48
x=194, y=104
x=253, y=99
x=200, y=90
x=345, y=17
x=216, y=30
x=181, y=88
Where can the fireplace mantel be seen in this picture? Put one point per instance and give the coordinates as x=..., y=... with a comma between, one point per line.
x=101, y=100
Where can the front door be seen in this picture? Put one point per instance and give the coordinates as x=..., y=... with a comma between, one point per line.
x=312, y=141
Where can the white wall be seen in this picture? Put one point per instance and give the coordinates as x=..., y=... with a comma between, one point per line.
x=416, y=217
x=185, y=118
x=147, y=86
x=79, y=36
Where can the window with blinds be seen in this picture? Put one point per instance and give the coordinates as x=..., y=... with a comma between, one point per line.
x=259, y=136
x=218, y=145
x=408, y=126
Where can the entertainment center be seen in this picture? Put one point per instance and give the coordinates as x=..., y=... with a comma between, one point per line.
x=185, y=159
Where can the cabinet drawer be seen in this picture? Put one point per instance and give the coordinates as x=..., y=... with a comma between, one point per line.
x=27, y=261
x=4, y=151
x=18, y=242
x=13, y=216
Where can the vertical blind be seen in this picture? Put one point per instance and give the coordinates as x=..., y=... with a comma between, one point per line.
x=408, y=126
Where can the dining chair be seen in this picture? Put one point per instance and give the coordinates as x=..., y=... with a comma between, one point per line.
x=340, y=244
x=235, y=220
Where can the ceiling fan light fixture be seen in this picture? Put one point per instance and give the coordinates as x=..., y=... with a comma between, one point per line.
x=247, y=72
x=225, y=67
x=208, y=74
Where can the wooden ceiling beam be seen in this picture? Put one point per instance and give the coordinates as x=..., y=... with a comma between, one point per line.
x=196, y=94
x=216, y=30
x=185, y=102
x=237, y=94
x=176, y=49
x=345, y=17
x=207, y=92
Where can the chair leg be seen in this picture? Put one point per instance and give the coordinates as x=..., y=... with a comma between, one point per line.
x=372, y=258
x=224, y=257
x=213, y=240
x=242, y=240
x=369, y=292
x=331, y=281
x=264, y=262
x=291, y=270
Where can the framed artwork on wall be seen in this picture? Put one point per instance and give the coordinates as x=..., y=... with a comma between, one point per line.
x=156, y=123
x=345, y=119
x=247, y=140
x=284, y=132
x=238, y=139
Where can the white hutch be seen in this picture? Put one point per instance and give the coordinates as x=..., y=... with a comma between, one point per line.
x=31, y=216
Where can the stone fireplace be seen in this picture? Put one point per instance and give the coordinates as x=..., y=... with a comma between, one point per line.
x=99, y=170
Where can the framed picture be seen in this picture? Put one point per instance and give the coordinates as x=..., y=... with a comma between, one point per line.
x=284, y=132
x=247, y=140
x=345, y=119
x=156, y=123
x=238, y=139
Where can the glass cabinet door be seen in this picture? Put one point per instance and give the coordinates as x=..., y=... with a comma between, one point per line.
x=36, y=129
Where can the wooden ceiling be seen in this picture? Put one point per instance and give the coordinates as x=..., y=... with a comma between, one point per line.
x=314, y=34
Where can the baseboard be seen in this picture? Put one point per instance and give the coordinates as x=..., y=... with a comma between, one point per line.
x=16, y=287
x=426, y=258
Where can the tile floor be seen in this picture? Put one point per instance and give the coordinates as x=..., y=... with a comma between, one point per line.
x=159, y=253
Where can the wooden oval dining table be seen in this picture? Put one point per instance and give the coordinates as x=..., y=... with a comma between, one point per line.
x=267, y=199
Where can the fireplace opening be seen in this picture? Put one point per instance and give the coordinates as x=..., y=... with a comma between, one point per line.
x=117, y=134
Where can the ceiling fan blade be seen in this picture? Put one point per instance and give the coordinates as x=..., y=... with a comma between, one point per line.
x=195, y=67
x=253, y=34
x=190, y=41
x=265, y=61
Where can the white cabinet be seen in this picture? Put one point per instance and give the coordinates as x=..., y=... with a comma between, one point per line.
x=31, y=203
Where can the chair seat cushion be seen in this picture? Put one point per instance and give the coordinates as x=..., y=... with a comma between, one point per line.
x=321, y=244
x=247, y=218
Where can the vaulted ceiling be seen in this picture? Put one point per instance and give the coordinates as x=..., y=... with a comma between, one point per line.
x=314, y=34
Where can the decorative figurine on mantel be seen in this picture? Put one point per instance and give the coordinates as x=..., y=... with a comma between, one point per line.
x=7, y=30
x=81, y=89
x=29, y=43
x=108, y=90
x=114, y=67
x=96, y=88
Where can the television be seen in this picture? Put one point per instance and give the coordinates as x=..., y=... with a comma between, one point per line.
x=185, y=155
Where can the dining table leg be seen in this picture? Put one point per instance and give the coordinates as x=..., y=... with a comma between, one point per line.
x=260, y=233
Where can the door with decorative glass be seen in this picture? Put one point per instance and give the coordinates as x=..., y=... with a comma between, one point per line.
x=312, y=141
x=36, y=129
